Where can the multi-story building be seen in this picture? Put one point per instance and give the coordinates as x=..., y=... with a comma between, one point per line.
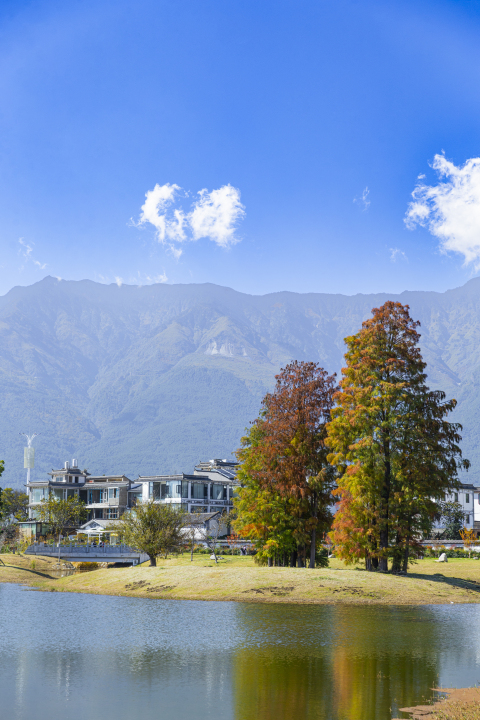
x=106, y=497
x=468, y=497
x=211, y=487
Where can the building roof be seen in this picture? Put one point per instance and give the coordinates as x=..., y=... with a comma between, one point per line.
x=178, y=476
x=101, y=523
x=107, y=478
x=96, y=484
x=200, y=517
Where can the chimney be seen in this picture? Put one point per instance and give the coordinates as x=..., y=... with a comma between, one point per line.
x=66, y=465
x=74, y=463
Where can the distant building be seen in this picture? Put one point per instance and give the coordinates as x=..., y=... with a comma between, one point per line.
x=468, y=496
x=211, y=488
x=105, y=496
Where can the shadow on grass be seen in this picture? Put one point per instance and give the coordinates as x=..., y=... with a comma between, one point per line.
x=445, y=580
x=33, y=572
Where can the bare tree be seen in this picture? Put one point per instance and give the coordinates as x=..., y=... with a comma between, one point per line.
x=192, y=531
x=210, y=529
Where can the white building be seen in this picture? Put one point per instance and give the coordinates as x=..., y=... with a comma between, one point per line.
x=210, y=489
x=468, y=496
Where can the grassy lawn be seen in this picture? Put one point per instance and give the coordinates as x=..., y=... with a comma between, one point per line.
x=238, y=578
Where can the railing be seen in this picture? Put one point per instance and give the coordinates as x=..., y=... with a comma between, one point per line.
x=74, y=550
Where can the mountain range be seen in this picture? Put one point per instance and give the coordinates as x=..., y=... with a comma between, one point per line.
x=152, y=379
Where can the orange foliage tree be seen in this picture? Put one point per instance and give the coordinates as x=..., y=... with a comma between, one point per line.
x=394, y=451
x=286, y=477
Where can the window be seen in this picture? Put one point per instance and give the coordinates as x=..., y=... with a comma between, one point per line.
x=467, y=518
x=184, y=489
x=71, y=493
x=112, y=493
x=467, y=498
x=112, y=514
x=58, y=493
x=173, y=489
x=199, y=491
x=37, y=495
x=456, y=497
x=219, y=492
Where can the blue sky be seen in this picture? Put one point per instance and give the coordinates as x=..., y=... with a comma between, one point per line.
x=305, y=123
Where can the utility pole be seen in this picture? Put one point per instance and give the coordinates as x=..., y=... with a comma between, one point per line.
x=29, y=455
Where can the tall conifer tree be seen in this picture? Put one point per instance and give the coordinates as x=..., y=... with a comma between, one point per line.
x=395, y=452
x=286, y=456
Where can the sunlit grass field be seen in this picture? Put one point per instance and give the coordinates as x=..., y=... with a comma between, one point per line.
x=238, y=578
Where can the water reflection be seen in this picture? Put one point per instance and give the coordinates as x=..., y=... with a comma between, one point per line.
x=71, y=656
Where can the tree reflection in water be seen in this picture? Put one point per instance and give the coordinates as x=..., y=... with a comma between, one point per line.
x=337, y=662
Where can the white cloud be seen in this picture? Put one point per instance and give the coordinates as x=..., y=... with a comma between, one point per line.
x=397, y=254
x=158, y=278
x=154, y=211
x=450, y=210
x=141, y=280
x=363, y=200
x=26, y=250
x=215, y=215
x=119, y=281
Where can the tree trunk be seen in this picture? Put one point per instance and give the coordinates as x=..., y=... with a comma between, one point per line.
x=397, y=555
x=368, y=563
x=191, y=554
x=270, y=562
x=153, y=560
x=293, y=559
x=301, y=556
x=375, y=563
x=59, y=536
x=383, y=563
x=405, y=555
x=313, y=545
x=406, y=551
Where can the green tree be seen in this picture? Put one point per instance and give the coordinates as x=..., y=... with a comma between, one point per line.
x=286, y=477
x=14, y=504
x=2, y=508
x=61, y=514
x=394, y=451
x=153, y=528
x=452, y=516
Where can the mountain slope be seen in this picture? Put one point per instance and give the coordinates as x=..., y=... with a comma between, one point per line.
x=152, y=379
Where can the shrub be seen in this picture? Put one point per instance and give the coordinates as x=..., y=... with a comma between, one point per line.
x=86, y=566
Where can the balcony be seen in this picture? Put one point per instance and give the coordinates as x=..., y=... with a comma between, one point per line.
x=113, y=502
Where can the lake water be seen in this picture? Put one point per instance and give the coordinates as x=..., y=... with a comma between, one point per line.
x=87, y=657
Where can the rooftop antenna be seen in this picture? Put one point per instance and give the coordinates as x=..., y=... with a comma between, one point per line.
x=29, y=454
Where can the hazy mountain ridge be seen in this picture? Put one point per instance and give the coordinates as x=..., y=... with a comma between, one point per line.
x=151, y=379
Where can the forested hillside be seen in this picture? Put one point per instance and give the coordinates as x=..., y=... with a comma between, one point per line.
x=140, y=380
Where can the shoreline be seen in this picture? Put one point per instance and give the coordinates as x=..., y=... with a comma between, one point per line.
x=239, y=580
x=454, y=705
